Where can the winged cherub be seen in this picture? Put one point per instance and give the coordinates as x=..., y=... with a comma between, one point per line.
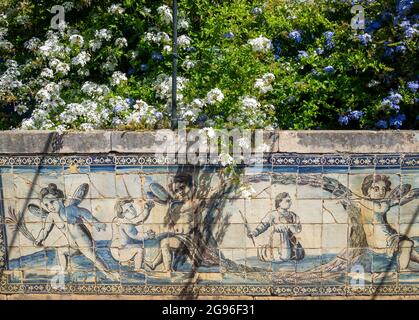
x=70, y=220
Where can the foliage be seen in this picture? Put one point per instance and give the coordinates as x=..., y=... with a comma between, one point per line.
x=242, y=63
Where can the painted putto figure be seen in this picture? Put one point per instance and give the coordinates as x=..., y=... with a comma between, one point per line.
x=71, y=221
x=282, y=225
x=377, y=200
x=180, y=219
x=127, y=241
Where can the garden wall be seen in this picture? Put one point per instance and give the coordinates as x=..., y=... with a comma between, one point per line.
x=325, y=214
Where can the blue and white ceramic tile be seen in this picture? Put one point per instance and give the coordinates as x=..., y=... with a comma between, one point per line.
x=303, y=224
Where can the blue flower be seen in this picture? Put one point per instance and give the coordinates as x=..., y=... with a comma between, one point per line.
x=302, y=54
x=392, y=101
x=228, y=35
x=328, y=35
x=373, y=26
x=156, y=56
x=413, y=86
x=356, y=114
x=364, y=38
x=158, y=115
x=276, y=56
x=410, y=32
x=400, y=48
x=296, y=36
x=343, y=120
x=395, y=97
x=319, y=51
x=144, y=67
x=130, y=71
x=329, y=69
x=387, y=103
x=118, y=108
x=257, y=10
x=397, y=121
x=388, y=50
x=405, y=24
x=404, y=6
x=130, y=101
x=381, y=124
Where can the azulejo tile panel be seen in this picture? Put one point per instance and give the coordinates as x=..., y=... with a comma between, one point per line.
x=296, y=225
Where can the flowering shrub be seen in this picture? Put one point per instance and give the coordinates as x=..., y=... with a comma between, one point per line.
x=255, y=64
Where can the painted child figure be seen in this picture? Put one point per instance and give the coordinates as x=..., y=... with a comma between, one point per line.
x=282, y=225
x=180, y=219
x=127, y=242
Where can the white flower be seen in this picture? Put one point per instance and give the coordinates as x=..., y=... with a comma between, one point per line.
x=94, y=90
x=184, y=41
x=49, y=92
x=83, y=72
x=244, y=143
x=6, y=45
x=198, y=103
x=32, y=44
x=188, y=64
x=260, y=44
x=250, y=102
x=28, y=124
x=47, y=73
x=52, y=47
x=3, y=32
x=117, y=122
x=264, y=83
x=116, y=9
x=210, y=132
x=165, y=14
x=87, y=126
x=183, y=24
x=110, y=64
x=157, y=37
x=60, y=129
x=76, y=40
x=214, y=96
x=118, y=77
x=246, y=191
x=118, y=104
x=163, y=86
x=268, y=77
x=146, y=10
x=269, y=107
x=225, y=159
x=81, y=59
x=167, y=49
x=95, y=44
x=21, y=109
x=121, y=42
x=104, y=34
x=59, y=66
x=145, y=114
x=68, y=6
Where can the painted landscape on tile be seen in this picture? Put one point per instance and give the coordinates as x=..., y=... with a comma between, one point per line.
x=297, y=221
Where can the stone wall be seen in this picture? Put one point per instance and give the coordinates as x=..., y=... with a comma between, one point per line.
x=326, y=214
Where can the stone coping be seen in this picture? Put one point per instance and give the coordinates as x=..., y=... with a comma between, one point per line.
x=106, y=141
